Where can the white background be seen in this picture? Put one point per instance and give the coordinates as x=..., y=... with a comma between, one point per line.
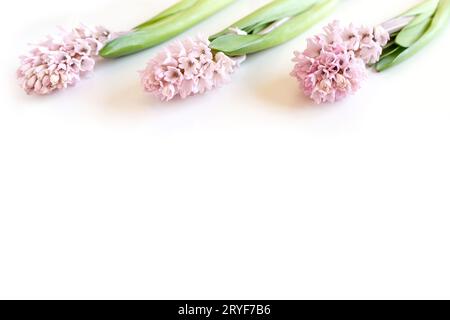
x=247, y=192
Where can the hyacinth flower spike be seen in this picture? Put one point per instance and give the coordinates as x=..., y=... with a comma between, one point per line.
x=336, y=62
x=194, y=66
x=61, y=60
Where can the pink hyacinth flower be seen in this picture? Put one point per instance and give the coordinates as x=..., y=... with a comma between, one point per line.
x=61, y=60
x=186, y=68
x=333, y=65
x=331, y=76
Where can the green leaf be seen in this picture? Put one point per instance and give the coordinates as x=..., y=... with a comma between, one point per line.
x=438, y=23
x=410, y=34
x=176, y=8
x=387, y=59
x=232, y=43
x=275, y=10
x=423, y=7
x=169, y=24
x=237, y=45
x=389, y=50
x=390, y=44
x=261, y=27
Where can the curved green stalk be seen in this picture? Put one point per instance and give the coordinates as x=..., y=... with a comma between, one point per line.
x=302, y=14
x=163, y=27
